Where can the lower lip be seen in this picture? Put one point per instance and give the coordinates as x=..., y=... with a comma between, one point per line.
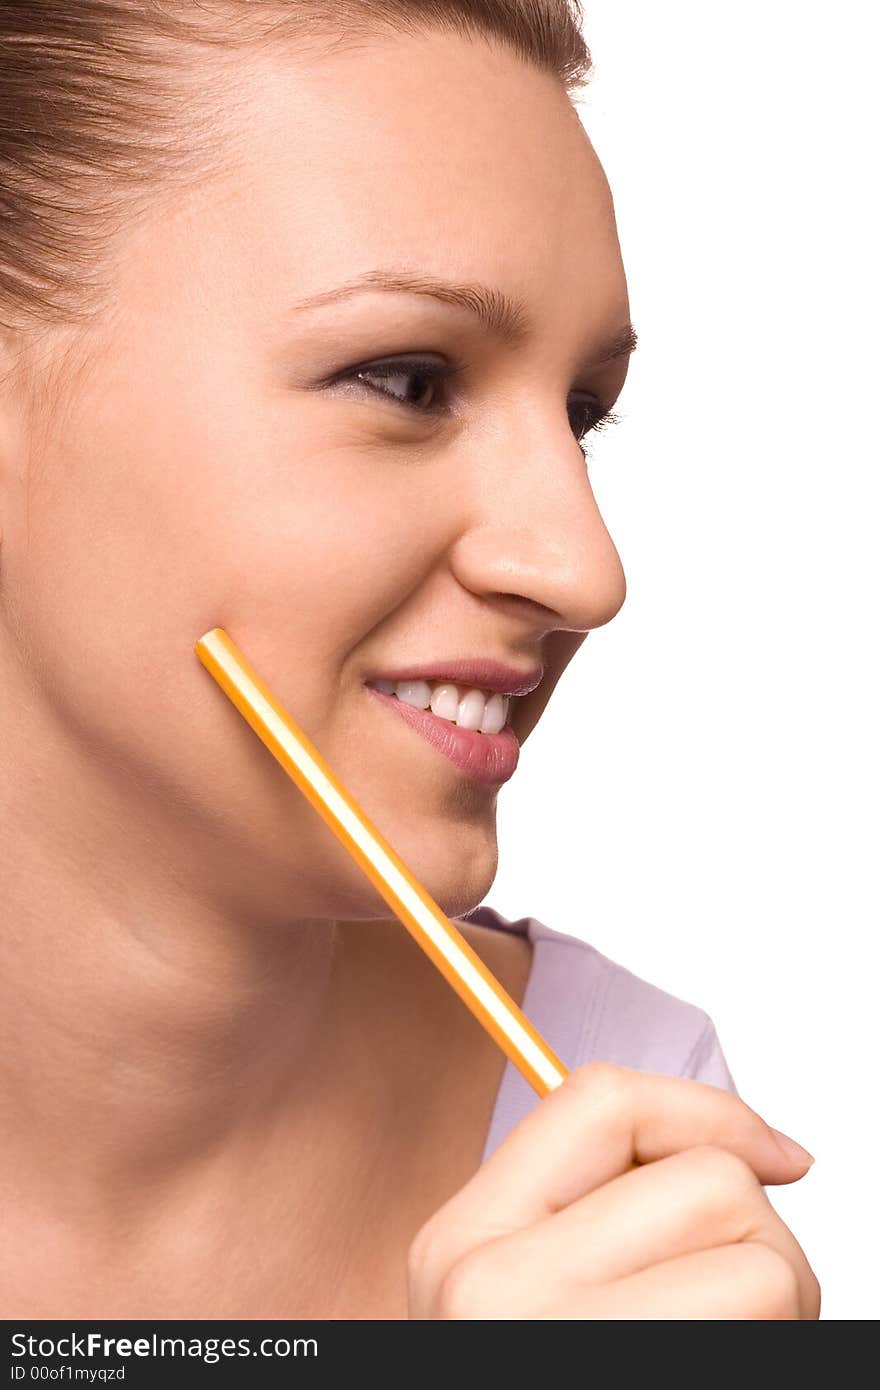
x=487, y=758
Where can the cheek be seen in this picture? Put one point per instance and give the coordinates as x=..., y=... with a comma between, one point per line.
x=330, y=536
x=148, y=527
x=103, y=591
x=114, y=509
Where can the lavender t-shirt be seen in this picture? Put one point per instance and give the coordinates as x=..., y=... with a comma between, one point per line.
x=588, y=1009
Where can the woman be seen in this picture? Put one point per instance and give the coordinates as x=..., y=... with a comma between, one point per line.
x=307, y=315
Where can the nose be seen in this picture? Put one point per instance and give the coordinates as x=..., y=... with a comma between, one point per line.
x=536, y=537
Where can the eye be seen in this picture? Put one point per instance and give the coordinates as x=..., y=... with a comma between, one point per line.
x=587, y=416
x=417, y=383
x=414, y=382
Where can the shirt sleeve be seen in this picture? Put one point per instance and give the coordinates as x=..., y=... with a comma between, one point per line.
x=707, y=1062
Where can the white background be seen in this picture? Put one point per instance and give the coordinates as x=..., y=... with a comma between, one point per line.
x=707, y=770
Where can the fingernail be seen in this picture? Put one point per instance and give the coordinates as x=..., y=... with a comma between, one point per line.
x=791, y=1148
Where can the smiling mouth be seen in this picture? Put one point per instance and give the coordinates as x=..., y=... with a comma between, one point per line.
x=466, y=707
x=485, y=754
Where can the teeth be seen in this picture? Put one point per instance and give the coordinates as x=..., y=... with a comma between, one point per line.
x=495, y=714
x=415, y=693
x=471, y=708
x=445, y=703
x=481, y=710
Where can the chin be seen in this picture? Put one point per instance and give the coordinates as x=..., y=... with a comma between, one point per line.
x=457, y=884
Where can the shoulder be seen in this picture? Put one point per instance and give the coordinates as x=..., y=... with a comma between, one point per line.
x=644, y=1026
x=598, y=1009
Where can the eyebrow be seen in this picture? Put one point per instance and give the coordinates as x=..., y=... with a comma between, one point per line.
x=503, y=317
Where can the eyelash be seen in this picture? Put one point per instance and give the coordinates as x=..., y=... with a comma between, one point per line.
x=444, y=372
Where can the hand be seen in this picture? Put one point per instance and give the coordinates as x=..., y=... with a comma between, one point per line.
x=623, y=1194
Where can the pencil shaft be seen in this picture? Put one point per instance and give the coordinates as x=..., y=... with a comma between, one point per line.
x=441, y=940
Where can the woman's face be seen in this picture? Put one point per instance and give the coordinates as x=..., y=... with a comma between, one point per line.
x=211, y=461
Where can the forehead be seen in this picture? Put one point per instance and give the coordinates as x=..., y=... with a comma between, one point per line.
x=452, y=155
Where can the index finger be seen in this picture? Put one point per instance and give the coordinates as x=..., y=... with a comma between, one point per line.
x=597, y=1124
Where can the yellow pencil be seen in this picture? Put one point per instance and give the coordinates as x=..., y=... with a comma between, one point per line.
x=453, y=956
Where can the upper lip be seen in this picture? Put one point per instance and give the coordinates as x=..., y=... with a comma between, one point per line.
x=479, y=672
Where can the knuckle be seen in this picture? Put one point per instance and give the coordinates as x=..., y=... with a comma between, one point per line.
x=814, y=1295
x=465, y=1291
x=425, y=1256
x=773, y=1282
x=600, y=1081
x=727, y=1179
x=810, y=1290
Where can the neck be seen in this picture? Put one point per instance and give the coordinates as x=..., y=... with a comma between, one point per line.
x=149, y=1035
